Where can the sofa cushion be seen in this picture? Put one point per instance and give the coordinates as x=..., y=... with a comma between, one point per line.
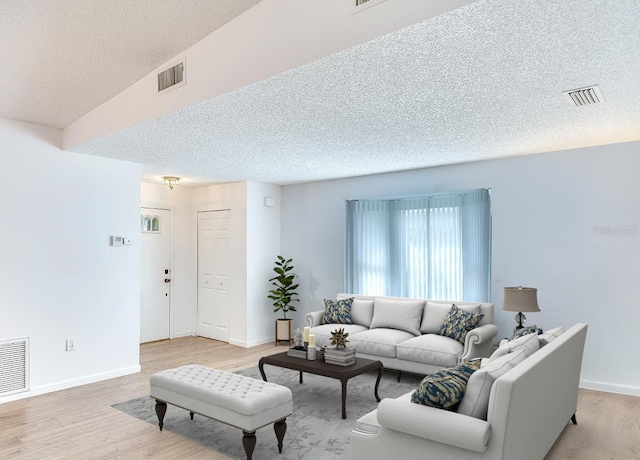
x=361, y=311
x=379, y=342
x=431, y=349
x=435, y=313
x=404, y=315
x=445, y=388
x=458, y=323
x=323, y=332
x=526, y=331
x=529, y=343
x=337, y=311
x=550, y=335
x=475, y=401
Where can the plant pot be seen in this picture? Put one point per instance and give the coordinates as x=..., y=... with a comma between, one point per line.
x=284, y=331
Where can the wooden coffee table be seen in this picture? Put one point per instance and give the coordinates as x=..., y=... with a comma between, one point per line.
x=319, y=367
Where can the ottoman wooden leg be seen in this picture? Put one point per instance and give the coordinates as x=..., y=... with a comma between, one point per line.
x=161, y=409
x=280, y=428
x=249, y=443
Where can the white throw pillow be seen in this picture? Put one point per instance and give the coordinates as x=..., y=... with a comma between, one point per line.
x=362, y=312
x=550, y=335
x=403, y=315
x=435, y=313
x=475, y=401
x=529, y=343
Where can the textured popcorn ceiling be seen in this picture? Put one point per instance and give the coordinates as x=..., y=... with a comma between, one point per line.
x=481, y=82
x=62, y=58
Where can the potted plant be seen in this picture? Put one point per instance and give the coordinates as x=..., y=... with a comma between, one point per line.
x=283, y=296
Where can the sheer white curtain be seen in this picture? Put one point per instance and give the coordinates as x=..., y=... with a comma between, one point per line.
x=435, y=247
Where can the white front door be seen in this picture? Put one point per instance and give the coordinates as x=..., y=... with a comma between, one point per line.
x=213, y=275
x=155, y=276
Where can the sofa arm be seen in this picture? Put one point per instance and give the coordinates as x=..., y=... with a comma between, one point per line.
x=438, y=425
x=477, y=343
x=314, y=318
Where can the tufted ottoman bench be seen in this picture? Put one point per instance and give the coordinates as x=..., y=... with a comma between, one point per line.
x=242, y=402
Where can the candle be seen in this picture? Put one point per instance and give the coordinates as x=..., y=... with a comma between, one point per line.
x=312, y=340
x=306, y=333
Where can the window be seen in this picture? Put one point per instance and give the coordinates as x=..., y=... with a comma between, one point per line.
x=150, y=224
x=146, y=224
x=433, y=247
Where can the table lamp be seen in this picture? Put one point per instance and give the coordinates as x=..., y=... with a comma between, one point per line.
x=520, y=299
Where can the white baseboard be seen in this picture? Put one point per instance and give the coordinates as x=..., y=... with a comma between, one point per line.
x=178, y=335
x=253, y=343
x=238, y=343
x=63, y=385
x=610, y=388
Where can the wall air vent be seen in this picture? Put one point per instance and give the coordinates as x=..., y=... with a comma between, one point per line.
x=361, y=5
x=14, y=366
x=171, y=77
x=588, y=95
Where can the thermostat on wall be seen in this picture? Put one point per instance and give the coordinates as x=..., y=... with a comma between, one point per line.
x=117, y=241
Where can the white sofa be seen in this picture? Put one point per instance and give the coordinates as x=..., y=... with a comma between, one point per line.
x=400, y=332
x=529, y=406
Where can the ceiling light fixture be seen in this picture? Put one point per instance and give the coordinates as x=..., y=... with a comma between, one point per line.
x=171, y=181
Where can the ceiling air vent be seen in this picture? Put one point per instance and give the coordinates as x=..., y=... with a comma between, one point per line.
x=584, y=96
x=172, y=77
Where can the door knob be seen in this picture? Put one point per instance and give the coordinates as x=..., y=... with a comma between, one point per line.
x=167, y=280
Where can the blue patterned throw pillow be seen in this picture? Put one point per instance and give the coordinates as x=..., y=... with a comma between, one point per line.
x=445, y=388
x=337, y=311
x=458, y=322
x=526, y=331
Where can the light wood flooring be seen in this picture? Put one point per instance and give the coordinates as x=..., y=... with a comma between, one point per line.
x=79, y=423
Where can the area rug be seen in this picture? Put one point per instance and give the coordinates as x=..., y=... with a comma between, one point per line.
x=315, y=430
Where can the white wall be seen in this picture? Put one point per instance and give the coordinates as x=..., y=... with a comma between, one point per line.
x=183, y=265
x=544, y=209
x=268, y=39
x=59, y=277
x=263, y=247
